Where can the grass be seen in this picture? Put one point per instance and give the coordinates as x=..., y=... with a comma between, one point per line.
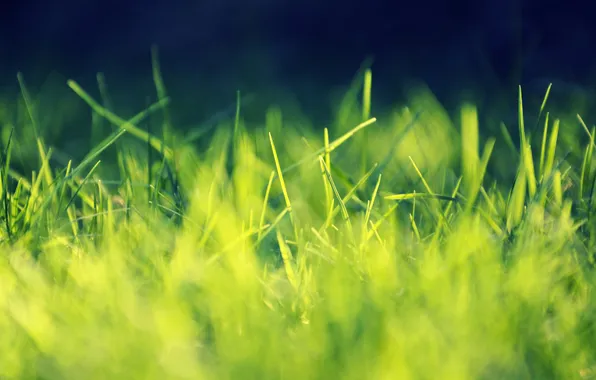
x=374, y=248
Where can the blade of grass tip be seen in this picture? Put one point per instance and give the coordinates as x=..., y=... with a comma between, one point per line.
x=33, y=116
x=265, y=203
x=283, y=184
x=552, y=148
x=521, y=124
x=350, y=99
x=583, y=124
x=508, y=139
x=334, y=145
x=542, y=107
x=128, y=126
x=366, y=94
x=543, y=147
x=364, y=67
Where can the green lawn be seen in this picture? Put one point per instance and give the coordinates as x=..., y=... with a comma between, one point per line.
x=385, y=246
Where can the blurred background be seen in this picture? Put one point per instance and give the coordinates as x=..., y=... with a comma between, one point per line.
x=311, y=49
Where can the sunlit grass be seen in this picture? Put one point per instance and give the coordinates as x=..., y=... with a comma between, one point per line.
x=380, y=247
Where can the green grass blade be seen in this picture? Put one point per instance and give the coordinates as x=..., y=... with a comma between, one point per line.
x=33, y=116
x=350, y=195
x=342, y=205
x=516, y=206
x=552, y=148
x=129, y=126
x=470, y=147
x=542, y=108
x=77, y=191
x=586, y=170
x=334, y=145
x=265, y=203
x=543, y=148
x=6, y=196
x=160, y=88
x=522, y=127
x=508, y=139
x=483, y=165
x=282, y=182
x=529, y=169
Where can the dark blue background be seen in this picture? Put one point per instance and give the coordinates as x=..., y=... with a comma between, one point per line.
x=217, y=46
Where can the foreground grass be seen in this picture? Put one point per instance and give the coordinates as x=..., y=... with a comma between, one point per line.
x=375, y=249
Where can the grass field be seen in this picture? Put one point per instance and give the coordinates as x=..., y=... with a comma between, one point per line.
x=407, y=245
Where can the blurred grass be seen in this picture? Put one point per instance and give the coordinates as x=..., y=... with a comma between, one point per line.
x=403, y=244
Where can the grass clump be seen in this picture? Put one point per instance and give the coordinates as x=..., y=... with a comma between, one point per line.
x=378, y=248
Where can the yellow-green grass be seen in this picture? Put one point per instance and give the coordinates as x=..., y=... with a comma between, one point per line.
x=376, y=248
